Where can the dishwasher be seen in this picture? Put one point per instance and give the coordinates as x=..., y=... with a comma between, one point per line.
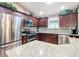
x=63, y=39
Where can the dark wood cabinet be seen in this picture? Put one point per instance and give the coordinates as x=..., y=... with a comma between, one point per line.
x=24, y=39
x=51, y=38
x=46, y=37
x=43, y=22
x=63, y=21
x=73, y=19
x=39, y=22
x=68, y=20
x=35, y=22
x=37, y=36
x=40, y=36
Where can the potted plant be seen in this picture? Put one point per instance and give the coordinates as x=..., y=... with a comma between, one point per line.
x=65, y=12
x=8, y=5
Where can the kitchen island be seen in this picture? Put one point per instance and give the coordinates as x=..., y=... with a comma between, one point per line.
x=54, y=37
x=42, y=49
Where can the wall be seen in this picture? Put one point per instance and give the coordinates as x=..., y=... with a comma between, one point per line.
x=60, y=30
x=44, y=29
x=20, y=8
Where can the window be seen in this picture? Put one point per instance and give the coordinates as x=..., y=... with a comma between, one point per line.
x=53, y=23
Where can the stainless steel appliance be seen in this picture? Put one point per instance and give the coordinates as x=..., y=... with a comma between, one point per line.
x=9, y=29
x=75, y=31
x=63, y=39
x=30, y=37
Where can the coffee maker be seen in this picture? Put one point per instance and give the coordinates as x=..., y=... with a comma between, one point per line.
x=75, y=30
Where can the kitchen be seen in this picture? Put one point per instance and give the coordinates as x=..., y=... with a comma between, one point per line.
x=20, y=30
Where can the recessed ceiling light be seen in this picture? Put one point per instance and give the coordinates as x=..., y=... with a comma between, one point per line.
x=62, y=7
x=49, y=2
x=41, y=13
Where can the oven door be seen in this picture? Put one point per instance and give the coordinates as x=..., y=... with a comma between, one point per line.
x=31, y=37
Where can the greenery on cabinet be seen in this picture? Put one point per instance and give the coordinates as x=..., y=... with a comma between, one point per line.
x=65, y=12
x=8, y=5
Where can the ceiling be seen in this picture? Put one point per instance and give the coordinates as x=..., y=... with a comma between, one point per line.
x=47, y=9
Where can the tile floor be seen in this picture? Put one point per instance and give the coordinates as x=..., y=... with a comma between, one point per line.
x=10, y=46
x=2, y=52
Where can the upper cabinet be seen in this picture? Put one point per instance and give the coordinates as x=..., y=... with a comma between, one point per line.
x=43, y=22
x=35, y=22
x=39, y=22
x=31, y=22
x=63, y=21
x=73, y=19
x=68, y=20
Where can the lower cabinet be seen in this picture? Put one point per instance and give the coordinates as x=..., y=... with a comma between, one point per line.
x=46, y=37
x=51, y=38
x=40, y=36
x=24, y=39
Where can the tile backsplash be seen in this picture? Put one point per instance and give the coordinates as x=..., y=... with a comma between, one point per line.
x=47, y=30
x=60, y=30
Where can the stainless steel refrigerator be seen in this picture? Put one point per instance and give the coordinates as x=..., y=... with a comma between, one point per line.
x=10, y=29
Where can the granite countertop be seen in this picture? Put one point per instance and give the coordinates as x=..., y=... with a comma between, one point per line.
x=28, y=34
x=59, y=33
x=24, y=34
x=43, y=49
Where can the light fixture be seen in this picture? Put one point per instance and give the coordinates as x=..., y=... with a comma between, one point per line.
x=41, y=13
x=62, y=7
x=49, y=2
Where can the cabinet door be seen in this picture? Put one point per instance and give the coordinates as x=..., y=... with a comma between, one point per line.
x=37, y=36
x=63, y=21
x=43, y=22
x=42, y=36
x=35, y=22
x=51, y=38
x=40, y=23
x=24, y=39
x=73, y=20
x=68, y=20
